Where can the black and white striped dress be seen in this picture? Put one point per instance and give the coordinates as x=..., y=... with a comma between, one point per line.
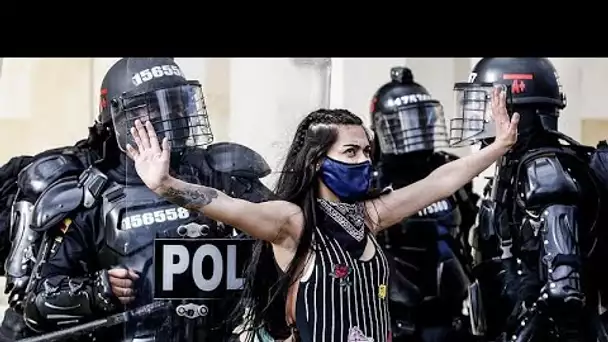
x=344, y=299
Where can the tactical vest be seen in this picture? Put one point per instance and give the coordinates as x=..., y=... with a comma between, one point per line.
x=132, y=218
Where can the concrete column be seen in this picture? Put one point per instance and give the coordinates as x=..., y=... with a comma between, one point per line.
x=216, y=86
x=214, y=76
x=438, y=76
x=355, y=80
x=268, y=99
x=45, y=103
x=570, y=71
x=590, y=92
x=193, y=68
x=15, y=82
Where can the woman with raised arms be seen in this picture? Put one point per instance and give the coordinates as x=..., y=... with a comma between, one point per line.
x=318, y=269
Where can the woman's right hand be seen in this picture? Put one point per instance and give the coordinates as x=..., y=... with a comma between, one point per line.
x=506, y=128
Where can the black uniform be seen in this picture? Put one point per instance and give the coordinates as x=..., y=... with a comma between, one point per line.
x=107, y=218
x=539, y=223
x=23, y=179
x=429, y=279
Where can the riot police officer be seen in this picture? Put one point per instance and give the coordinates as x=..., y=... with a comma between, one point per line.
x=100, y=226
x=22, y=179
x=539, y=223
x=429, y=279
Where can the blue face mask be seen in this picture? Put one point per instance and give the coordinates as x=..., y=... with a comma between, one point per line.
x=348, y=181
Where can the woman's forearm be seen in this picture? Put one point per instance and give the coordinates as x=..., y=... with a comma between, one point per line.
x=263, y=221
x=187, y=195
x=454, y=175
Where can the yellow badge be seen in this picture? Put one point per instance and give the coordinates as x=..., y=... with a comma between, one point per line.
x=65, y=225
x=382, y=291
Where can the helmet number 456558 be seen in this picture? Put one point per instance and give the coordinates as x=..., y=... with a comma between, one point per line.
x=156, y=72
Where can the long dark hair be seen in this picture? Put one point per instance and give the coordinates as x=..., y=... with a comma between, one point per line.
x=266, y=286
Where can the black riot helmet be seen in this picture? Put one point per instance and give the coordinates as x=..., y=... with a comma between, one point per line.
x=405, y=118
x=154, y=89
x=533, y=90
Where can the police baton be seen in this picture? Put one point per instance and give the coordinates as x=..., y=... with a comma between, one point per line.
x=109, y=321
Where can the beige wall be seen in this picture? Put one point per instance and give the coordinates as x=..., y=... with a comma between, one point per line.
x=44, y=102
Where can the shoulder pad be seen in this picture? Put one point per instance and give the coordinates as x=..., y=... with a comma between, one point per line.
x=237, y=160
x=9, y=172
x=46, y=170
x=599, y=164
x=579, y=153
x=66, y=195
x=12, y=168
x=583, y=151
x=84, y=154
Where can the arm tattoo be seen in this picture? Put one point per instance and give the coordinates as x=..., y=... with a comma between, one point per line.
x=191, y=198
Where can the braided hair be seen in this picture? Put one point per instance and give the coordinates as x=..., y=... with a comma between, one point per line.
x=322, y=116
x=266, y=286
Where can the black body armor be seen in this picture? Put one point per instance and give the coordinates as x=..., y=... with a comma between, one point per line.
x=537, y=244
x=42, y=172
x=429, y=278
x=128, y=219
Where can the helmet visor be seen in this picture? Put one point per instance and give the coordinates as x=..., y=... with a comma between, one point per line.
x=413, y=127
x=472, y=120
x=177, y=113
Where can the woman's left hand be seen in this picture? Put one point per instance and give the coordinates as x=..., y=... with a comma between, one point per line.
x=506, y=128
x=151, y=157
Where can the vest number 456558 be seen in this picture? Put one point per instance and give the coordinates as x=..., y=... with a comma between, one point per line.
x=158, y=216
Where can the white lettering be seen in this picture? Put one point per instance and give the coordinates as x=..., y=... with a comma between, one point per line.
x=157, y=216
x=156, y=72
x=472, y=77
x=224, y=267
x=147, y=218
x=171, y=214
x=170, y=268
x=559, y=83
x=197, y=267
x=183, y=213
x=407, y=99
x=435, y=208
x=232, y=281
